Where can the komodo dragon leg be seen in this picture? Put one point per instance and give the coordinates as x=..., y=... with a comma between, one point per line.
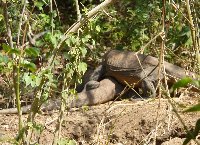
x=98, y=73
x=107, y=89
x=148, y=87
x=148, y=82
x=91, y=78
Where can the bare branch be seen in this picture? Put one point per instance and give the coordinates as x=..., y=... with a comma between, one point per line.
x=78, y=11
x=6, y=18
x=74, y=28
x=90, y=14
x=20, y=22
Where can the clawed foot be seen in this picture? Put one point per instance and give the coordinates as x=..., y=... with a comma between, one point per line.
x=91, y=85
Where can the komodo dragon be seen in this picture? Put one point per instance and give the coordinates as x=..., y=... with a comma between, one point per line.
x=137, y=70
x=125, y=67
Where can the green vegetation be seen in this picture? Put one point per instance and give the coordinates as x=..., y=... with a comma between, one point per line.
x=45, y=45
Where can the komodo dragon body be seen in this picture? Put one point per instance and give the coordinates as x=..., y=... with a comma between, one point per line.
x=118, y=67
x=137, y=69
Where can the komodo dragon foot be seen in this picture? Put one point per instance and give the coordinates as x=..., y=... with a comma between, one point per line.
x=91, y=85
x=106, y=90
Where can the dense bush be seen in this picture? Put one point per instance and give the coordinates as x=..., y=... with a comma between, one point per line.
x=36, y=59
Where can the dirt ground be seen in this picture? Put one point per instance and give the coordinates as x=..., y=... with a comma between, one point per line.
x=120, y=123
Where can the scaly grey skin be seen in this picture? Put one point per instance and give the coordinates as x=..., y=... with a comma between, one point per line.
x=105, y=91
x=135, y=69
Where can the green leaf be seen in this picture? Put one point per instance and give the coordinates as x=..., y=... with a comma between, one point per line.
x=86, y=38
x=10, y=50
x=182, y=83
x=54, y=13
x=39, y=4
x=51, y=38
x=31, y=79
x=68, y=42
x=82, y=67
x=73, y=39
x=66, y=55
x=4, y=59
x=98, y=28
x=14, y=51
x=49, y=76
x=54, y=41
x=193, y=108
x=6, y=48
x=70, y=71
x=83, y=51
x=27, y=79
x=29, y=65
x=10, y=64
x=33, y=51
x=185, y=31
x=45, y=18
x=38, y=80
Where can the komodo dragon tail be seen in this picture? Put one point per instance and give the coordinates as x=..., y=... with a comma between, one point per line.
x=106, y=91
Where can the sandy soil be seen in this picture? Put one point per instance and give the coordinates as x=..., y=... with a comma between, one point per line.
x=120, y=123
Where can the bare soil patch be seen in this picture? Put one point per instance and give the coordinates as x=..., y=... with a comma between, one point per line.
x=122, y=122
